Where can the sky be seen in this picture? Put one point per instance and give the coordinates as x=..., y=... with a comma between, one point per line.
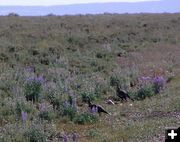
x=60, y=2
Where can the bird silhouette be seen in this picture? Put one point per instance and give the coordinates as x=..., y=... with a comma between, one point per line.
x=98, y=108
x=122, y=94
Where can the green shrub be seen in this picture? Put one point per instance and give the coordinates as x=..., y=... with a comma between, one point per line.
x=69, y=111
x=97, y=91
x=54, y=99
x=35, y=134
x=92, y=133
x=85, y=96
x=33, y=88
x=22, y=106
x=119, y=80
x=46, y=115
x=145, y=91
x=85, y=118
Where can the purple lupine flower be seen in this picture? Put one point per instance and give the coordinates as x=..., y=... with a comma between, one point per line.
x=159, y=83
x=30, y=79
x=42, y=107
x=24, y=116
x=40, y=79
x=145, y=78
x=74, y=137
x=65, y=138
x=29, y=69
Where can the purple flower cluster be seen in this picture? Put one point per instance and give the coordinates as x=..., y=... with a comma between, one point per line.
x=159, y=83
x=30, y=69
x=24, y=116
x=74, y=137
x=39, y=78
x=65, y=138
x=145, y=78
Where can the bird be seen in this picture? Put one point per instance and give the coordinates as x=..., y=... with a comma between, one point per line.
x=122, y=94
x=98, y=108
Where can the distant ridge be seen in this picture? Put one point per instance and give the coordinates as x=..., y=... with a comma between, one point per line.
x=171, y=6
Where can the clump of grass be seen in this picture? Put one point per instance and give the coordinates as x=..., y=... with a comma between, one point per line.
x=92, y=133
x=70, y=112
x=35, y=134
x=23, y=106
x=85, y=118
x=47, y=115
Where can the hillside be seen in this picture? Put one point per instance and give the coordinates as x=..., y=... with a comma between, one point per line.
x=50, y=65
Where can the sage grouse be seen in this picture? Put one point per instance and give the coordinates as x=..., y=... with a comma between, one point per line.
x=98, y=108
x=122, y=94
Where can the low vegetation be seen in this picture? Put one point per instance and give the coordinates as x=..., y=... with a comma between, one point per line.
x=50, y=66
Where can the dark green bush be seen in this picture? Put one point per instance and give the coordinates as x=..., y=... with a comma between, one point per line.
x=145, y=91
x=32, y=90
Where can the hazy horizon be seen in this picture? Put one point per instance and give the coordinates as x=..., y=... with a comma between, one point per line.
x=109, y=6
x=62, y=2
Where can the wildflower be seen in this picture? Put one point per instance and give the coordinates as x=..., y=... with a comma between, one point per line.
x=74, y=137
x=65, y=138
x=40, y=79
x=159, y=83
x=30, y=69
x=29, y=79
x=145, y=78
x=24, y=116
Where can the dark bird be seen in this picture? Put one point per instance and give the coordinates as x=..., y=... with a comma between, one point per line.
x=122, y=94
x=98, y=108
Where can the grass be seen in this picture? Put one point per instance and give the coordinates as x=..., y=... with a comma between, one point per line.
x=80, y=56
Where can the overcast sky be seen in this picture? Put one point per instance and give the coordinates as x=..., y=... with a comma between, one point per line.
x=61, y=2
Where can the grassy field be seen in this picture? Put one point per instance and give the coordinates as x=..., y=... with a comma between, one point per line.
x=50, y=65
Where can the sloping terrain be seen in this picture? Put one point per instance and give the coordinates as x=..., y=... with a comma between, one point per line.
x=50, y=65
